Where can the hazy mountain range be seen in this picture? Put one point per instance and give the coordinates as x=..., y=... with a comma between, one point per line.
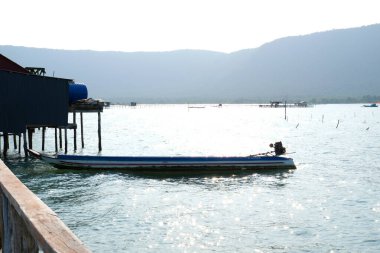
x=332, y=64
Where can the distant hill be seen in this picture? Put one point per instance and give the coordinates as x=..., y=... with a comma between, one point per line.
x=333, y=64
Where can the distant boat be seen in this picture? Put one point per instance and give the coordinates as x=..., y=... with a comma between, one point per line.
x=172, y=164
x=279, y=104
x=196, y=107
x=371, y=105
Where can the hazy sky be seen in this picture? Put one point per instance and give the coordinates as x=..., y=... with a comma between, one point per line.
x=162, y=25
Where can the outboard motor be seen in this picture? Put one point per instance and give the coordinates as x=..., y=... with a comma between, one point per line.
x=278, y=148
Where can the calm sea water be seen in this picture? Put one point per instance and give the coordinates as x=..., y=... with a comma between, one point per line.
x=331, y=203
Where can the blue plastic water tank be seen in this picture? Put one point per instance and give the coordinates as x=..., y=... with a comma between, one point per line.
x=77, y=92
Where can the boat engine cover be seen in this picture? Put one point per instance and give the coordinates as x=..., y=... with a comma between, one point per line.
x=279, y=149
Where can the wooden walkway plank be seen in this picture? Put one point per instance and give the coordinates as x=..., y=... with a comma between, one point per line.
x=26, y=213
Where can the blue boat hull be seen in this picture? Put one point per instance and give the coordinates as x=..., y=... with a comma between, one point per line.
x=158, y=164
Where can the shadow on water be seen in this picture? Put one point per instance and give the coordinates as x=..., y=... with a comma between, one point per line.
x=225, y=181
x=192, y=177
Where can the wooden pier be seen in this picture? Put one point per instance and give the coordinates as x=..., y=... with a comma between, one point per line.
x=27, y=224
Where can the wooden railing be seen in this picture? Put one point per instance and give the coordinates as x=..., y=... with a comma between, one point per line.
x=27, y=224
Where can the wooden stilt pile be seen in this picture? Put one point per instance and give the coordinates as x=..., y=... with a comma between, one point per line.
x=87, y=106
x=83, y=107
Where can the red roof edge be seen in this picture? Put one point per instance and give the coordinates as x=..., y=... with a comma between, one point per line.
x=9, y=65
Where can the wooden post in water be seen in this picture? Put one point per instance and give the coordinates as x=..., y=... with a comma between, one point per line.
x=7, y=137
x=19, y=143
x=6, y=143
x=60, y=138
x=43, y=138
x=30, y=138
x=75, y=130
x=14, y=141
x=55, y=139
x=99, y=133
x=285, y=110
x=65, y=140
x=25, y=145
x=81, y=129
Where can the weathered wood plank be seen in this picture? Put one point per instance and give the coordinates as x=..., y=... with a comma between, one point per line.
x=44, y=226
x=22, y=241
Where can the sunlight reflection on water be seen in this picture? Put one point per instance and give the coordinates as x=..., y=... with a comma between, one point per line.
x=329, y=203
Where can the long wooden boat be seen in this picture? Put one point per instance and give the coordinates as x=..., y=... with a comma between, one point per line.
x=371, y=105
x=161, y=164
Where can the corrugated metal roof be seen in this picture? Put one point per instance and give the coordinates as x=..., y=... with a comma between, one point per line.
x=9, y=65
